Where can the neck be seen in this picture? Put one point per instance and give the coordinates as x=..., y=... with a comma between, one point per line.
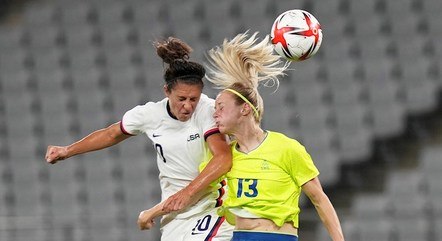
x=250, y=137
x=169, y=111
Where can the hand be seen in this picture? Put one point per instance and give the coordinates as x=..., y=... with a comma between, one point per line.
x=145, y=219
x=178, y=201
x=56, y=153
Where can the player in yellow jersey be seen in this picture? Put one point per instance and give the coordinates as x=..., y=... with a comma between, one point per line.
x=269, y=169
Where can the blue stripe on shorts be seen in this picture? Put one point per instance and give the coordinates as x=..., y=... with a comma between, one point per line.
x=262, y=236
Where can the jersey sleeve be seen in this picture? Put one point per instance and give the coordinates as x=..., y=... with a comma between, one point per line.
x=134, y=121
x=300, y=165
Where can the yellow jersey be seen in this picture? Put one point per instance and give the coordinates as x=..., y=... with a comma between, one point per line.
x=267, y=181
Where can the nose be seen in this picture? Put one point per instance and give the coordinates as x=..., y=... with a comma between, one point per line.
x=187, y=106
x=215, y=114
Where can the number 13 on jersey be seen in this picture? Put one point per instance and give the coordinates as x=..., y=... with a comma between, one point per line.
x=247, y=187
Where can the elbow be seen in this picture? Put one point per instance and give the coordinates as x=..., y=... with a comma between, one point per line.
x=114, y=134
x=228, y=167
x=318, y=199
x=229, y=161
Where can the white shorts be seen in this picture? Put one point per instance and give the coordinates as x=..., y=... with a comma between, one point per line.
x=206, y=226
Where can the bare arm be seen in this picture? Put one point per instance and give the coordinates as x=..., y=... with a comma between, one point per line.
x=146, y=217
x=219, y=165
x=95, y=141
x=324, y=207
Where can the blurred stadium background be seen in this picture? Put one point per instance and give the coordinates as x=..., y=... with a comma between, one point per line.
x=367, y=106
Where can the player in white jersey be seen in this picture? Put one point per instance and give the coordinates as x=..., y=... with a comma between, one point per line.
x=176, y=141
x=185, y=137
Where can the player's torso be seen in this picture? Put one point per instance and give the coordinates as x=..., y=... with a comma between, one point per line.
x=180, y=148
x=259, y=174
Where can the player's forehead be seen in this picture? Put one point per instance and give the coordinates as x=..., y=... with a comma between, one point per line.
x=187, y=90
x=223, y=97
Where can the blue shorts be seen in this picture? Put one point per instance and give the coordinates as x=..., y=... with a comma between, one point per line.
x=262, y=236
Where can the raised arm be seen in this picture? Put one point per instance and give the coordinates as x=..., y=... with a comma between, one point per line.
x=324, y=207
x=95, y=141
x=219, y=165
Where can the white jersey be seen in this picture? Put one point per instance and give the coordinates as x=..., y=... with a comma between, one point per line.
x=180, y=146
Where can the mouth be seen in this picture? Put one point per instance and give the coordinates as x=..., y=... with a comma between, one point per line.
x=185, y=116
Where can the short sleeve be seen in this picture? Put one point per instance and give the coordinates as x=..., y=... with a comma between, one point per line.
x=302, y=169
x=134, y=121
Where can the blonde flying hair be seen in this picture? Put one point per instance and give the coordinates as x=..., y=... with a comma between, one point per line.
x=241, y=64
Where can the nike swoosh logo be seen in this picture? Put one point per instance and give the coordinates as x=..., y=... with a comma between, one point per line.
x=156, y=135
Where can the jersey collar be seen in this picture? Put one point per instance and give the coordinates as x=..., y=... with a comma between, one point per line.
x=170, y=112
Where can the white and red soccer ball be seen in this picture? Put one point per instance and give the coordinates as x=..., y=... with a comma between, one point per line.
x=296, y=35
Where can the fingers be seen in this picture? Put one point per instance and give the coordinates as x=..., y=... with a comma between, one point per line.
x=140, y=221
x=172, y=205
x=167, y=204
x=54, y=154
x=144, y=223
x=140, y=224
x=176, y=202
x=177, y=205
x=51, y=155
x=148, y=225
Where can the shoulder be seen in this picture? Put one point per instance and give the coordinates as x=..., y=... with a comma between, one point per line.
x=150, y=107
x=280, y=137
x=282, y=141
x=206, y=101
x=146, y=112
x=295, y=158
x=205, y=107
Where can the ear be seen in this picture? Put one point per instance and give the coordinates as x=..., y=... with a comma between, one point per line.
x=245, y=110
x=166, y=91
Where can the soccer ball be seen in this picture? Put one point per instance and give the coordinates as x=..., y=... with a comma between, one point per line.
x=296, y=35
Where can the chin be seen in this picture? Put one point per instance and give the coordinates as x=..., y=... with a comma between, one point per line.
x=184, y=117
x=222, y=129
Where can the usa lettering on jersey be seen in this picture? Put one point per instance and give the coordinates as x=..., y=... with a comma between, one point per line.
x=193, y=137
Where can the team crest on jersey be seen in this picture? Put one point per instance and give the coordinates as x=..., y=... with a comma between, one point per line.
x=193, y=137
x=265, y=165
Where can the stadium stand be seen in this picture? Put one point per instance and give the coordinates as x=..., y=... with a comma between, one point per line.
x=369, y=98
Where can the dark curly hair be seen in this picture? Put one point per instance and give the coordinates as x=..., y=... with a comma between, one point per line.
x=175, y=53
